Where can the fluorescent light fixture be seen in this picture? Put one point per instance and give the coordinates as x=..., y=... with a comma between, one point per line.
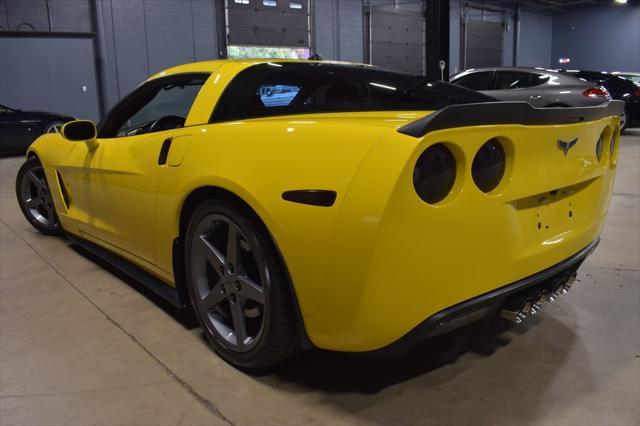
x=270, y=3
x=621, y=1
x=383, y=86
x=564, y=60
x=295, y=5
x=241, y=1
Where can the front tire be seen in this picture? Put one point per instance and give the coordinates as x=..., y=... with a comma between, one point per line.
x=238, y=286
x=34, y=197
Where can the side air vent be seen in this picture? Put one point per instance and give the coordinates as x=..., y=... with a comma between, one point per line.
x=63, y=189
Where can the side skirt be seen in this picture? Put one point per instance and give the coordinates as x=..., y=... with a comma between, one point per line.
x=138, y=274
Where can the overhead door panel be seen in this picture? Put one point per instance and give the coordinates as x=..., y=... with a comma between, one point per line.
x=49, y=74
x=268, y=23
x=483, y=44
x=397, y=40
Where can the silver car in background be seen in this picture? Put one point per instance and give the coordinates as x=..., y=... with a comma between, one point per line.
x=540, y=87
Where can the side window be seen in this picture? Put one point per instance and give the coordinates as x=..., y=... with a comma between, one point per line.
x=474, y=81
x=156, y=106
x=538, y=79
x=506, y=80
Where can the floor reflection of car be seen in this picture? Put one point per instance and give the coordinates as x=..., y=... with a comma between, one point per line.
x=619, y=88
x=19, y=128
x=539, y=87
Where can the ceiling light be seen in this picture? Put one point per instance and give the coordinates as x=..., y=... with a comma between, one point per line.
x=620, y=1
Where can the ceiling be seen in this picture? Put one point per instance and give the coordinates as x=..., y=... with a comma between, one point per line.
x=551, y=6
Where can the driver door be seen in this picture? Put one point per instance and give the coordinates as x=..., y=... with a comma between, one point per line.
x=113, y=188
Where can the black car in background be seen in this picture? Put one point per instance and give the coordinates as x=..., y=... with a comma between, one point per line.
x=19, y=128
x=619, y=88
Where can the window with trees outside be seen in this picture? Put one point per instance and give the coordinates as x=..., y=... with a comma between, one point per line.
x=242, y=52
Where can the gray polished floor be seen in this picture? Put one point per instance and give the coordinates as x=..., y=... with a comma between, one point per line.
x=78, y=345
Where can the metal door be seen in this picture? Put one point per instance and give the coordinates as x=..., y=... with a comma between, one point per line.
x=396, y=40
x=482, y=44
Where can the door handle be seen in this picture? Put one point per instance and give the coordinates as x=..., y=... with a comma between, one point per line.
x=164, y=151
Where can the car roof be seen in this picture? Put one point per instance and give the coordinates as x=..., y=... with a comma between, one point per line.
x=212, y=65
x=529, y=69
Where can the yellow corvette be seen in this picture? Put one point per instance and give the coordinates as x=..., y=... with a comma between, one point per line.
x=300, y=204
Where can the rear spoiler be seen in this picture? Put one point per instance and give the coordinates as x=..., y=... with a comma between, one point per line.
x=496, y=113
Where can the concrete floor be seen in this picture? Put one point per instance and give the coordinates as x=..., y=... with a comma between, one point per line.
x=80, y=346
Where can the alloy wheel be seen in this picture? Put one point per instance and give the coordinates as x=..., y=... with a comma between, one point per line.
x=230, y=282
x=36, y=197
x=54, y=127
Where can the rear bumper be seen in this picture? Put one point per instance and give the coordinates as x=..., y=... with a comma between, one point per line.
x=482, y=306
x=395, y=260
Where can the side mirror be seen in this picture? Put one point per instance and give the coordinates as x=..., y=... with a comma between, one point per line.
x=81, y=131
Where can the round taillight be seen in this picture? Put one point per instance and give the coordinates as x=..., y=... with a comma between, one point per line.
x=488, y=166
x=435, y=173
x=599, y=147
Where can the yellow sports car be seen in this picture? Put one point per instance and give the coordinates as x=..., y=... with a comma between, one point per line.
x=299, y=204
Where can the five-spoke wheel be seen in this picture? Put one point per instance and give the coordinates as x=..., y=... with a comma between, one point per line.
x=34, y=197
x=230, y=287
x=238, y=287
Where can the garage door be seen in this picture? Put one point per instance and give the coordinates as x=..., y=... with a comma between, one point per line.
x=268, y=23
x=54, y=74
x=483, y=44
x=397, y=40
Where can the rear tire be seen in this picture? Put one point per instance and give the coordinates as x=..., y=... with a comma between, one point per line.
x=34, y=197
x=238, y=286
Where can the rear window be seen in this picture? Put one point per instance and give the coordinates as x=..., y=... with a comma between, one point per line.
x=298, y=88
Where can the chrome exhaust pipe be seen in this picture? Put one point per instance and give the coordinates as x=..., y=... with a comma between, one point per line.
x=544, y=298
x=570, y=281
x=517, y=310
x=550, y=296
x=518, y=307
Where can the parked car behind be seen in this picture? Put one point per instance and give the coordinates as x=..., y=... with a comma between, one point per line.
x=539, y=87
x=19, y=128
x=633, y=76
x=619, y=88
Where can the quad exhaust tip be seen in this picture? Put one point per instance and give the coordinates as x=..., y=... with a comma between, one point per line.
x=520, y=306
